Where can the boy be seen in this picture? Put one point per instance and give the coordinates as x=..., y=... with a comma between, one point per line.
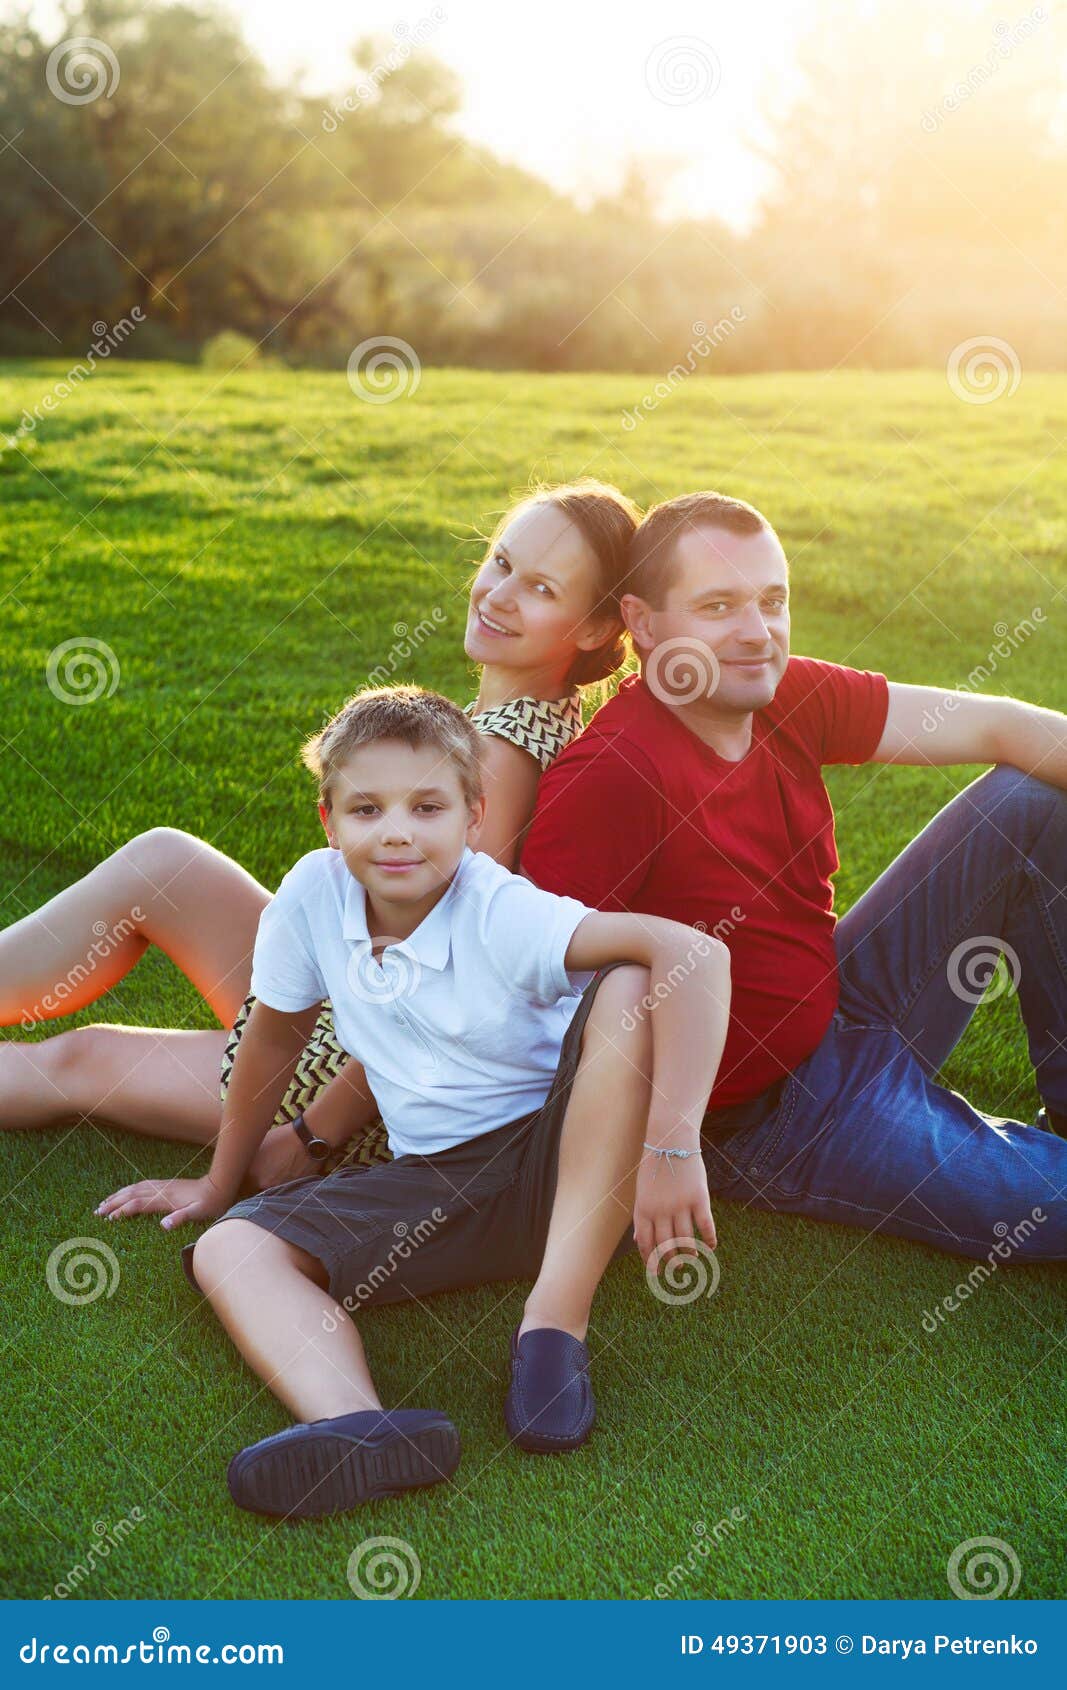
x=528, y=1118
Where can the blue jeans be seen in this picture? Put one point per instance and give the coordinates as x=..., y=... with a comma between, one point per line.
x=862, y=1133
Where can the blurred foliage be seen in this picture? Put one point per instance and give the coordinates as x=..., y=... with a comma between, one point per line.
x=918, y=193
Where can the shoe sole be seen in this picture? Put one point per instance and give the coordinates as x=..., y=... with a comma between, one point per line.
x=323, y=1474
x=535, y=1443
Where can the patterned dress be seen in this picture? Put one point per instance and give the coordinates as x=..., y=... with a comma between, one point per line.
x=537, y=725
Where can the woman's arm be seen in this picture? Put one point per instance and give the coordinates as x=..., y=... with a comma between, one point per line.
x=511, y=778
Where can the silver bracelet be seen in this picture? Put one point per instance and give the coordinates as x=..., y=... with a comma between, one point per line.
x=670, y=1155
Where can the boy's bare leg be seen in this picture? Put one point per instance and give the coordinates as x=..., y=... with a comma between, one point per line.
x=164, y=887
x=599, y=1154
x=271, y=1298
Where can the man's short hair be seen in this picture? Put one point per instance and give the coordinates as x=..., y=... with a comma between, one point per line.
x=653, y=549
x=410, y=714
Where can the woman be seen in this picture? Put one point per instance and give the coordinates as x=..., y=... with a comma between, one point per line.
x=543, y=621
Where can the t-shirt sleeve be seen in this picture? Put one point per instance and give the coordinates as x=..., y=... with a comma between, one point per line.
x=285, y=971
x=525, y=933
x=598, y=821
x=841, y=712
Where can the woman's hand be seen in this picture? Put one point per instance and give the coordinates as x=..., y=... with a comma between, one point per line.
x=177, y=1200
x=281, y=1157
x=671, y=1206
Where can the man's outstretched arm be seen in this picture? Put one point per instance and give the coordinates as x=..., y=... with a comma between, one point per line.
x=936, y=725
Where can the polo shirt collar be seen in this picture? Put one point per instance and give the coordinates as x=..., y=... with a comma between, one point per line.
x=431, y=942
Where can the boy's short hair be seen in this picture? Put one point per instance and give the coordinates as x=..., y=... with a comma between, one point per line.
x=652, y=549
x=410, y=714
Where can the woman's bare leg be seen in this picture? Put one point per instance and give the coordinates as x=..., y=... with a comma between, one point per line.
x=164, y=888
x=154, y=1081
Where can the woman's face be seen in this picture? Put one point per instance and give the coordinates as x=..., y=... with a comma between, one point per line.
x=532, y=601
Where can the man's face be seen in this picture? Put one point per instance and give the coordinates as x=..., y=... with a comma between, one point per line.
x=727, y=605
x=399, y=818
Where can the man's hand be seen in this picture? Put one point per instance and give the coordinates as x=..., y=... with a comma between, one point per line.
x=178, y=1200
x=671, y=1206
x=281, y=1157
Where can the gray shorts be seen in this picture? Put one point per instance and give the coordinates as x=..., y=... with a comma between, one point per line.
x=421, y=1224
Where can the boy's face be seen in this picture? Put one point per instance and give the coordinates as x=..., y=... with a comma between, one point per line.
x=400, y=821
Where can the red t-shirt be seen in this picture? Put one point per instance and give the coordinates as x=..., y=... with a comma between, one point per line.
x=639, y=814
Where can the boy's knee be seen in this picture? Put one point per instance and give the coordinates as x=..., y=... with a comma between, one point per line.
x=223, y=1250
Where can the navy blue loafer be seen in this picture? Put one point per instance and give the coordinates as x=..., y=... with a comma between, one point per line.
x=549, y=1405
x=332, y=1465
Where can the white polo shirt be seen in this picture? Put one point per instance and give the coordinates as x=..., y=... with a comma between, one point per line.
x=460, y=1028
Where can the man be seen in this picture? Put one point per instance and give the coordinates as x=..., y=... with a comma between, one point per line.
x=697, y=794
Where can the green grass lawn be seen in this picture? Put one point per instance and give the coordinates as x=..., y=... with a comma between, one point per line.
x=247, y=547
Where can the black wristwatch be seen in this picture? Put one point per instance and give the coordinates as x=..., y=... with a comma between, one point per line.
x=317, y=1148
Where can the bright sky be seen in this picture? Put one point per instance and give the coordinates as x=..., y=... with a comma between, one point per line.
x=573, y=89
